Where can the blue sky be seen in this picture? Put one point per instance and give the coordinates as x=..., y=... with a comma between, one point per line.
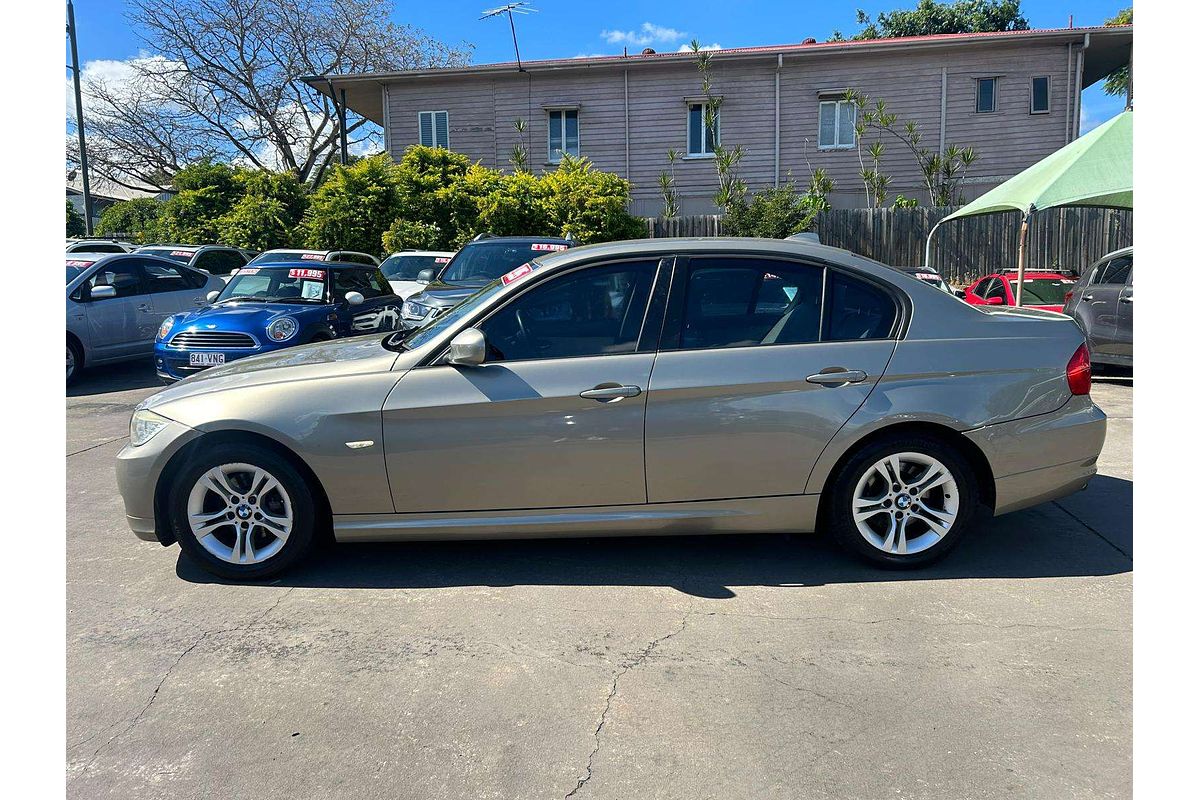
x=563, y=29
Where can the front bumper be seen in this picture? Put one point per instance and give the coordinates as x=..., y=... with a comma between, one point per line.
x=138, y=473
x=1042, y=458
x=172, y=363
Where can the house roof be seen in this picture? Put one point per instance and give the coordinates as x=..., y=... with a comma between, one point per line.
x=1108, y=48
x=106, y=190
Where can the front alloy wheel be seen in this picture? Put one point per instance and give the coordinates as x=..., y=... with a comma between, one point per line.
x=242, y=511
x=904, y=501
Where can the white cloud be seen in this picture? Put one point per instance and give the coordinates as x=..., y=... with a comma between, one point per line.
x=647, y=34
x=687, y=48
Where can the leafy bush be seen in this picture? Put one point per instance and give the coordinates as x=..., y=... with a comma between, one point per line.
x=137, y=219
x=415, y=235
x=267, y=215
x=589, y=204
x=773, y=213
x=75, y=223
x=205, y=191
x=425, y=175
x=354, y=206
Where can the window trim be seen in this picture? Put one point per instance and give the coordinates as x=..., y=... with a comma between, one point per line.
x=1049, y=86
x=433, y=128
x=837, y=124
x=704, y=151
x=563, y=111
x=995, y=79
x=672, y=333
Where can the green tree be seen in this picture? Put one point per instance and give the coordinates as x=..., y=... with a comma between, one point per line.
x=930, y=17
x=406, y=233
x=1117, y=83
x=775, y=213
x=205, y=191
x=268, y=213
x=426, y=175
x=75, y=223
x=731, y=189
x=589, y=204
x=354, y=206
x=137, y=219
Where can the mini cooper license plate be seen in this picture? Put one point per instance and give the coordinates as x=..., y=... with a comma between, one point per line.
x=205, y=359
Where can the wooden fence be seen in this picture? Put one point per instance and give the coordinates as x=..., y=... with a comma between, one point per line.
x=1061, y=238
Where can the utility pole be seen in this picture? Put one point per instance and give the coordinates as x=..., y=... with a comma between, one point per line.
x=83, y=165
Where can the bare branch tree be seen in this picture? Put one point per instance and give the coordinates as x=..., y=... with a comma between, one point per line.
x=223, y=81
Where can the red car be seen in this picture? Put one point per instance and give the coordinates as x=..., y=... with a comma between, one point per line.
x=1046, y=290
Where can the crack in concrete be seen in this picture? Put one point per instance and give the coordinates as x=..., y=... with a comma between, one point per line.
x=166, y=675
x=93, y=447
x=628, y=665
x=1106, y=540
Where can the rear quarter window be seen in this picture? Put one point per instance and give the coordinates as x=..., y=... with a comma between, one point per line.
x=855, y=309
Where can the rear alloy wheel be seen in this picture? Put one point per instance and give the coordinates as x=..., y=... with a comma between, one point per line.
x=242, y=512
x=903, y=502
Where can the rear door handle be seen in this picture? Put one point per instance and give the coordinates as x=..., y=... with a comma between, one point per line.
x=607, y=393
x=1128, y=300
x=837, y=377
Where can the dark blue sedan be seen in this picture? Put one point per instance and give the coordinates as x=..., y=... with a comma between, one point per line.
x=275, y=306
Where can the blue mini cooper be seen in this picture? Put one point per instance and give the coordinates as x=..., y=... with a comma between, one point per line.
x=269, y=307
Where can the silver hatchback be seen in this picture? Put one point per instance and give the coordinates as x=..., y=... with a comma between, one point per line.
x=647, y=387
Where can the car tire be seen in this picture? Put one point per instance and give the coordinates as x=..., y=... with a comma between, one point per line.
x=236, y=523
x=910, y=522
x=74, y=361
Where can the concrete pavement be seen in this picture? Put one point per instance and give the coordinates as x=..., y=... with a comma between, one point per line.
x=731, y=667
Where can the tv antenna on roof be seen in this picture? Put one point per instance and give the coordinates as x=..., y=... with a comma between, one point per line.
x=510, y=9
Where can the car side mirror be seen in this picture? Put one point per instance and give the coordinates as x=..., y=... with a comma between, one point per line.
x=212, y=296
x=468, y=348
x=993, y=301
x=960, y=293
x=426, y=276
x=355, y=298
x=103, y=292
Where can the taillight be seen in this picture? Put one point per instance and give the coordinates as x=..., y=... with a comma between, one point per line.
x=1079, y=371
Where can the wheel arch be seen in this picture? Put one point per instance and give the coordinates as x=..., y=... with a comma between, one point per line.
x=79, y=348
x=949, y=436
x=180, y=459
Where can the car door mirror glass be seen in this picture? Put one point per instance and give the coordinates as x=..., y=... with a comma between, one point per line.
x=103, y=292
x=355, y=298
x=212, y=296
x=426, y=276
x=467, y=348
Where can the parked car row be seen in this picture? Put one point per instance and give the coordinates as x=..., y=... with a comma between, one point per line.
x=643, y=387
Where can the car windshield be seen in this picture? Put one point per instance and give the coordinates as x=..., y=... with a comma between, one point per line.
x=423, y=336
x=182, y=256
x=485, y=261
x=406, y=266
x=289, y=255
x=277, y=284
x=1045, y=290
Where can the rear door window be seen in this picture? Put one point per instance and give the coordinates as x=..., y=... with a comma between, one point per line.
x=741, y=302
x=161, y=277
x=1115, y=272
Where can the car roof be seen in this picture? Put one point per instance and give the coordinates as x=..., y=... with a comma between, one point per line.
x=298, y=264
x=520, y=240
x=422, y=253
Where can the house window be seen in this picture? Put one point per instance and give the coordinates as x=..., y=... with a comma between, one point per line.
x=1039, y=94
x=702, y=137
x=836, y=129
x=563, y=133
x=985, y=95
x=434, y=127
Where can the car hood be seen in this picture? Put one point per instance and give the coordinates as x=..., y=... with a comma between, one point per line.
x=320, y=360
x=447, y=294
x=243, y=316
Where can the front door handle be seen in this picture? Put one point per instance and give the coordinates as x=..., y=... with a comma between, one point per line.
x=832, y=376
x=609, y=392
x=1087, y=298
x=144, y=307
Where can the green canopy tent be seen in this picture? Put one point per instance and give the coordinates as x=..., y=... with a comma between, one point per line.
x=1094, y=170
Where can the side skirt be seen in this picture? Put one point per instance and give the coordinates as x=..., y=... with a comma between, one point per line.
x=790, y=514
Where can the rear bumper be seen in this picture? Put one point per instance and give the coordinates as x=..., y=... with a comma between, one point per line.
x=1044, y=457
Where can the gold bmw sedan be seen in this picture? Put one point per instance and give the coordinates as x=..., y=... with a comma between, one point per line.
x=645, y=387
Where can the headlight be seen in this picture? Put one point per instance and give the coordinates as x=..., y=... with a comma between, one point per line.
x=281, y=329
x=144, y=425
x=413, y=310
x=165, y=328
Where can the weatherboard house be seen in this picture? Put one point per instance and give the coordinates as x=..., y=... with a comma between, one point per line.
x=1012, y=96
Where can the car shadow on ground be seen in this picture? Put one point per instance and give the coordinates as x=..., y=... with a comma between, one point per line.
x=1046, y=541
x=115, y=378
